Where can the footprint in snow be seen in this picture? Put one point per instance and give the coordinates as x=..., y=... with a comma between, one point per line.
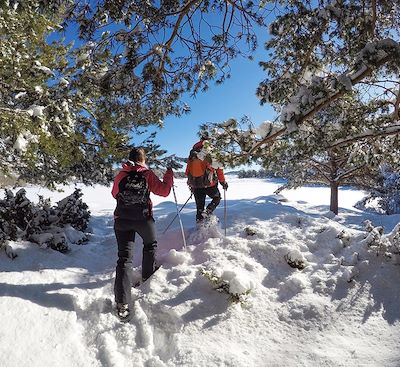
x=157, y=327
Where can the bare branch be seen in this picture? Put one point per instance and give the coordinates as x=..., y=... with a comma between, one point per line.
x=168, y=44
x=317, y=166
x=349, y=173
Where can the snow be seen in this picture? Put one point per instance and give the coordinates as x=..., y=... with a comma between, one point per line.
x=44, y=69
x=36, y=111
x=19, y=95
x=265, y=129
x=342, y=309
x=23, y=140
x=64, y=82
x=20, y=143
x=345, y=81
x=39, y=89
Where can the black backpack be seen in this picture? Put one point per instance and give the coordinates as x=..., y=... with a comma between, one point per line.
x=133, y=197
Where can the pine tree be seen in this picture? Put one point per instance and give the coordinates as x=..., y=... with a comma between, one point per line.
x=321, y=151
x=78, y=106
x=42, y=129
x=319, y=52
x=345, y=144
x=143, y=56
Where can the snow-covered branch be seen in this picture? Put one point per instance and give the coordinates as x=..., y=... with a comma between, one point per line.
x=269, y=138
x=386, y=131
x=322, y=92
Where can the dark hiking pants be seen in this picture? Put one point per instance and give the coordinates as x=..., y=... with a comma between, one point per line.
x=200, y=198
x=125, y=231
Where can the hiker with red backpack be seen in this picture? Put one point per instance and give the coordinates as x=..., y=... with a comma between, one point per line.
x=133, y=214
x=203, y=178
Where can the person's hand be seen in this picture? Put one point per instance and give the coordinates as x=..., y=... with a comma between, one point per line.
x=172, y=162
x=224, y=185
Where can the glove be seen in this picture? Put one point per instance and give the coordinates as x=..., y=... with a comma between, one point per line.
x=224, y=185
x=171, y=162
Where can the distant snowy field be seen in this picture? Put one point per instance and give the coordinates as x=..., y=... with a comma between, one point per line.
x=56, y=310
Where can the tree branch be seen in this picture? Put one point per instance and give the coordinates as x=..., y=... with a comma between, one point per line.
x=396, y=115
x=348, y=173
x=322, y=173
x=373, y=23
x=390, y=130
x=355, y=77
x=168, y=44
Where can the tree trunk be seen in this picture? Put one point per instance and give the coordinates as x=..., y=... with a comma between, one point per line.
x=334, y=207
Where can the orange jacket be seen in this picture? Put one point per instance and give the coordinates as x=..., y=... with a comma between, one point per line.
x=197, y=167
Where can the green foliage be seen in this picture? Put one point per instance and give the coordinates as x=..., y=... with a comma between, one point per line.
x=42, y=135
x=63, y=106
x=342, y=144
x=327, y=40
x=318, y=53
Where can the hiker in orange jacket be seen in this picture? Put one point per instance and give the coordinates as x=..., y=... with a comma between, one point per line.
x=203, y=180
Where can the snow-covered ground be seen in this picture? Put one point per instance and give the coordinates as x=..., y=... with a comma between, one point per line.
x=56, y=310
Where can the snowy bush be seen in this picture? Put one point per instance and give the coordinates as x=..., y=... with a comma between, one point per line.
x=74, y=211
x=55, y=227
x=236, y=289
x=387, y=245
x=385, y=198
x=295, y=259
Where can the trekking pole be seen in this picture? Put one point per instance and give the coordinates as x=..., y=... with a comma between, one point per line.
x=225, y=211
x=179, y=216
x=169, y=225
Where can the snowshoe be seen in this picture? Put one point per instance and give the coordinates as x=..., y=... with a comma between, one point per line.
x=138, y=282
x=209, y=220
x=123, y=312
x=207, y=228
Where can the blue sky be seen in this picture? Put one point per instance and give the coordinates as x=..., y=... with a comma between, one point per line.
x=235, y=98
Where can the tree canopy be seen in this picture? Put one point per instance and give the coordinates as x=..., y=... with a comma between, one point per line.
x=77, y=106
x=320, y=51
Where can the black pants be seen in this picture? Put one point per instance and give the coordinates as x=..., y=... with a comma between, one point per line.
x=125, y=231
x=200, y=198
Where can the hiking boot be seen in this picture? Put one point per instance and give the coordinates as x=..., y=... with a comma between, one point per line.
x=156, y=267
x=123, y=311
x=206, y=213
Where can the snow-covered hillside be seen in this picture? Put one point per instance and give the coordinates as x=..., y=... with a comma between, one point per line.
x=341, y=309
